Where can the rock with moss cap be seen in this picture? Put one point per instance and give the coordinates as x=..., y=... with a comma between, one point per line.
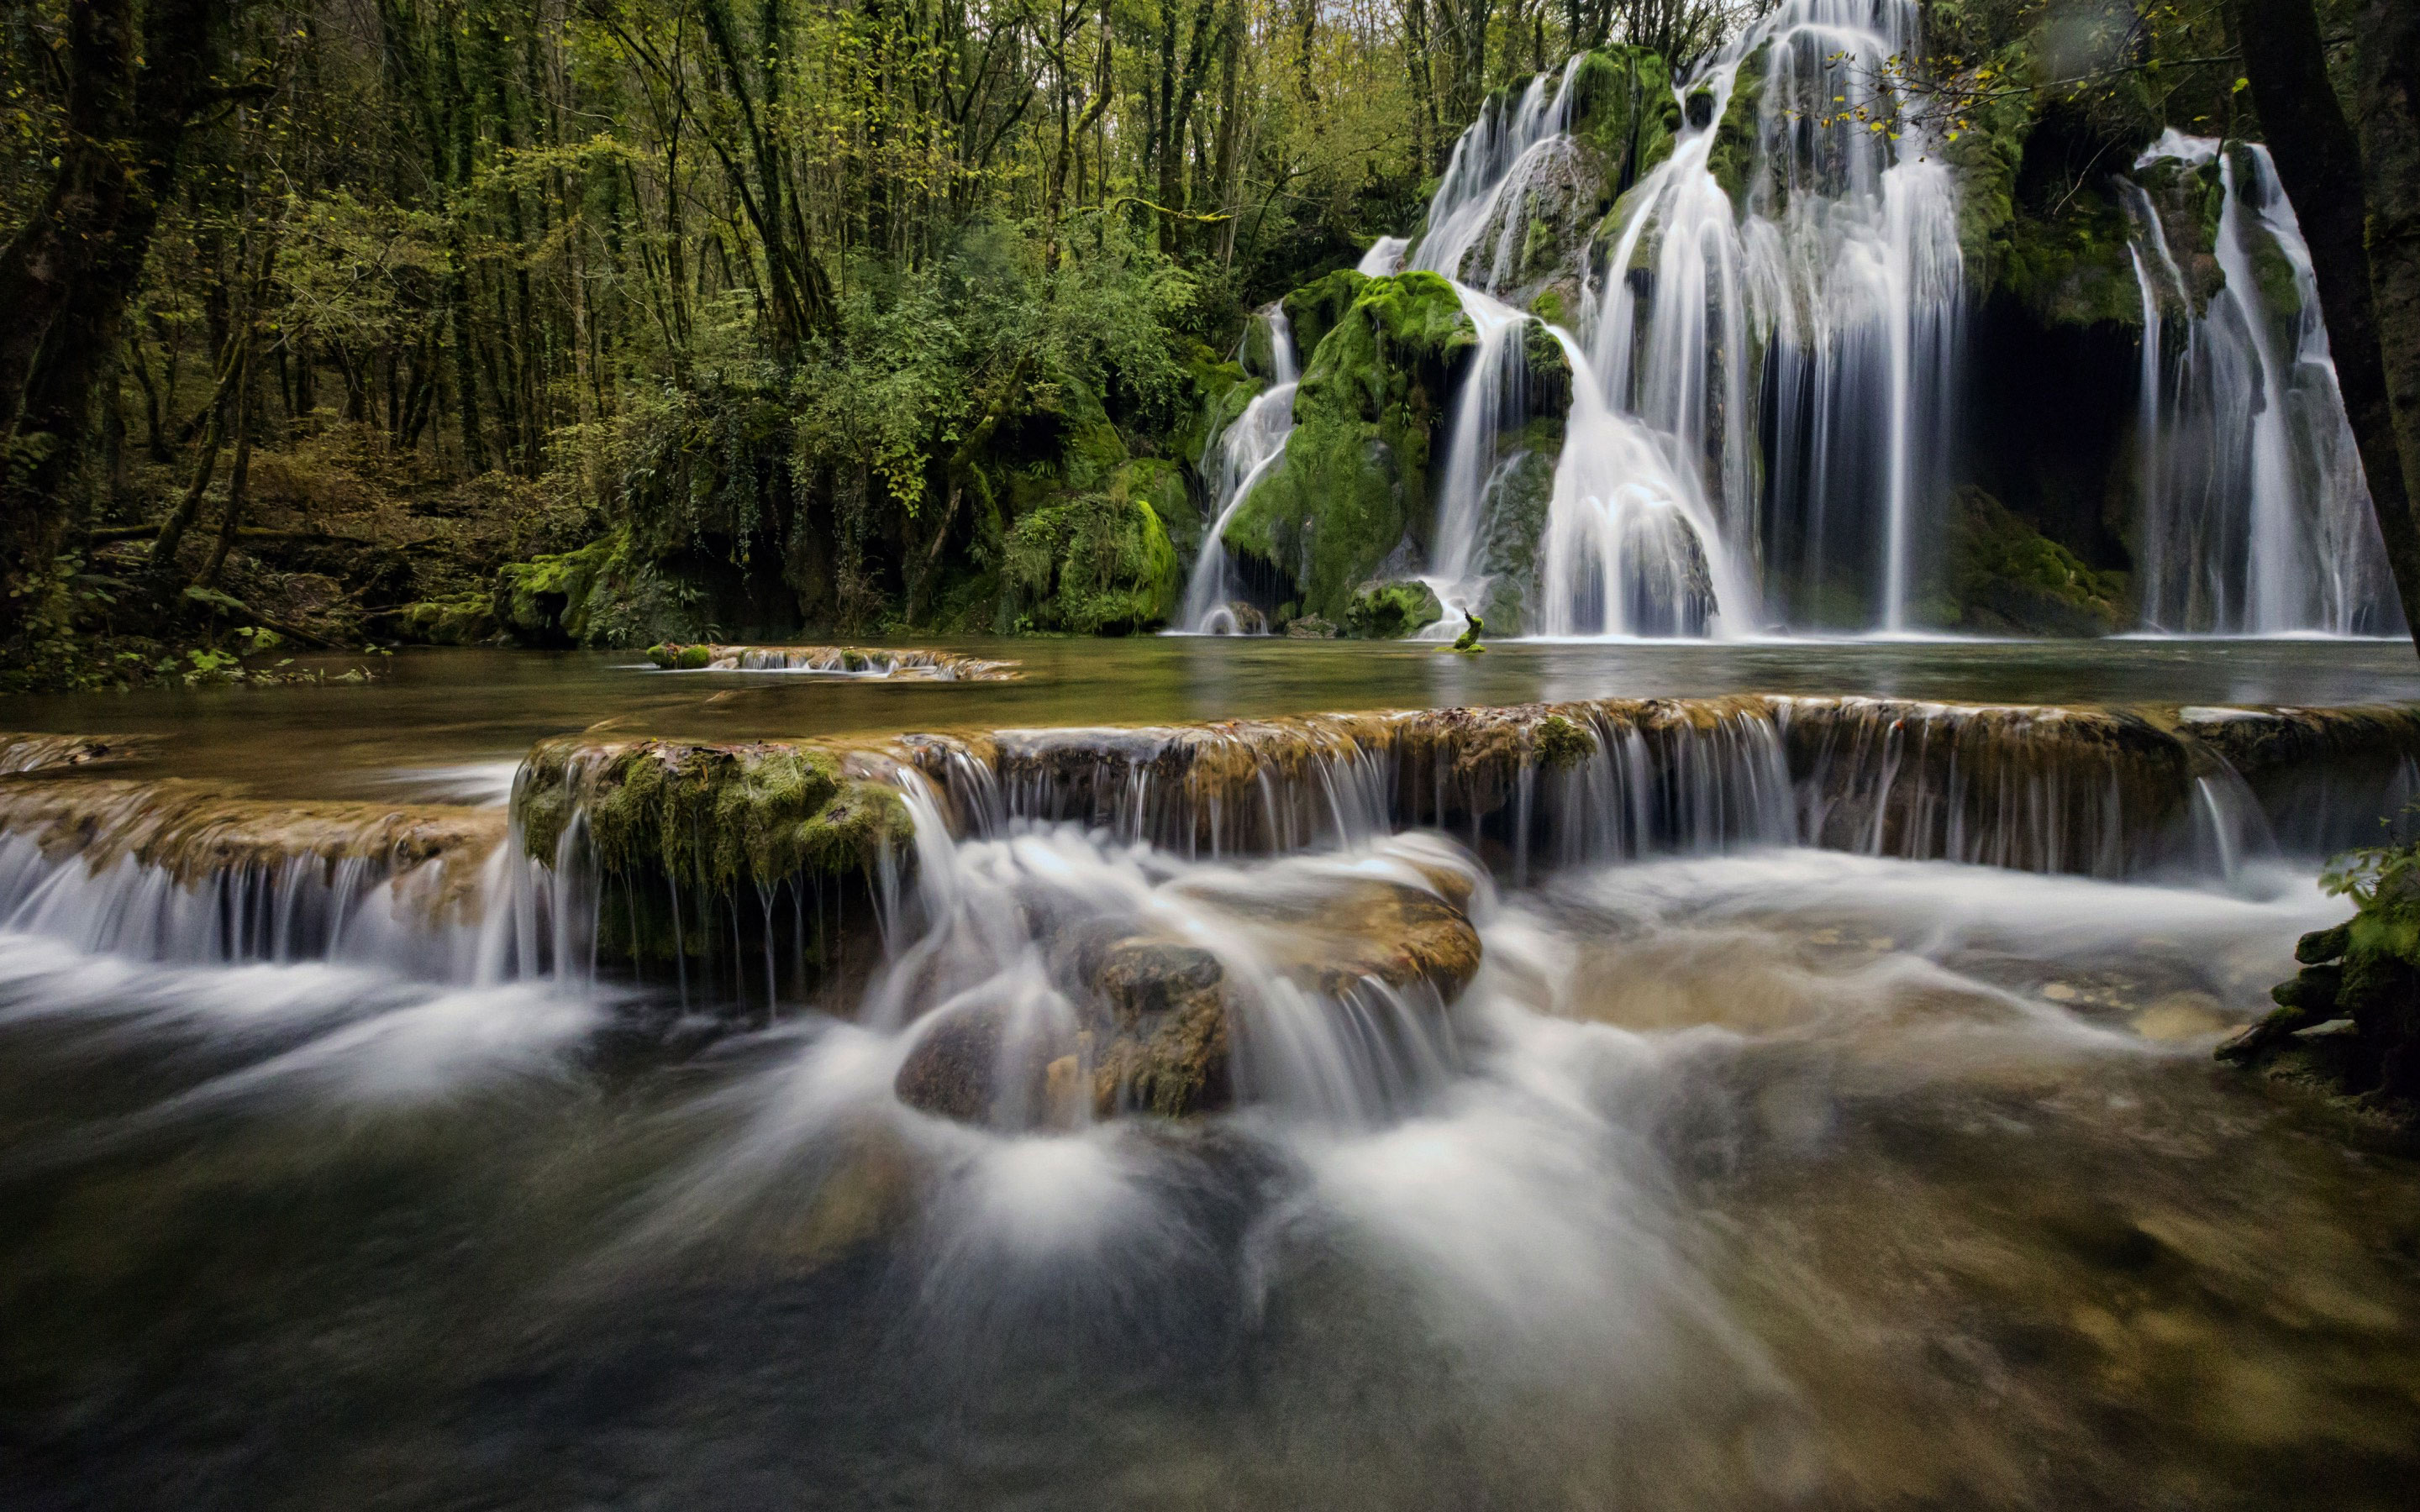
x=1353, y=482
x=1390, y=611
x=2364, y=973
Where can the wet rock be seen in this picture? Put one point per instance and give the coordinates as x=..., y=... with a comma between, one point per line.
x=196, y=833
x=1157, y=1019
x=1311, y=627
x=971, y=1065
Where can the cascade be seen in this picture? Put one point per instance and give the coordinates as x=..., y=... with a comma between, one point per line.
x=1385, y=257
x=1484, y=184
x=2255, y=517
x=1246, y=450
x=1823, y=304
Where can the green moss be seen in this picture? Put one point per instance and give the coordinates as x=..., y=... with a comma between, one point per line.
x=1095, y=564
x=1557, y=742
x=2004, y=575
x=2077, y=267
x=1314, y=309
x=1732, y=157
x=1390, y=611
x=1354, y=479
x=605, y=594
x=465, y=618
x=711, y=818
x=1623, y=109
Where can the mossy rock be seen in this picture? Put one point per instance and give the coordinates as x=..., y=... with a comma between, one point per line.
x=1391, y=612
x=1314, y=309
x=1624, y=107
x=1354, y=481
x=463, y=620
x=1557, y=742
x=2077, y=267
x=1733, y=157
x=710, y=818
x=2365, y=972
x=605, y=594
x=2006, y=575
x=1096, y=564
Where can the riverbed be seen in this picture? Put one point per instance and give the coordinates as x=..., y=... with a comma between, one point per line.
x=1751, y=1168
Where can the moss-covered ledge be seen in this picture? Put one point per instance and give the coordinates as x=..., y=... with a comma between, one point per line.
x=710, y=817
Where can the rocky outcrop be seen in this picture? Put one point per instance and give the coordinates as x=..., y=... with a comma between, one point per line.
x=692, y=845
x=1390, y=611
x=2006, y=575
x=1354, y=481
x=2364, y=975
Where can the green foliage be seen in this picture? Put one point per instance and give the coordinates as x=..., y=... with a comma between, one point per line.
x=1095, y=564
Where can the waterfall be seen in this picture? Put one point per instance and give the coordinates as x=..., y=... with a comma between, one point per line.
x=1383, y=258
x=1837, y=273
x=2254, y=516
x=1246, y=450
x=1825, y=304
x=1492, y=163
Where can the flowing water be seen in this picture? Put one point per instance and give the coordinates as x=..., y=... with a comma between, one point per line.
x=1236, y=458
x=1798, y=1094
x=2255, y=517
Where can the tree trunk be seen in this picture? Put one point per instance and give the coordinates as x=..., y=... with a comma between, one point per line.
x=2387, y=109
x=2320, y=166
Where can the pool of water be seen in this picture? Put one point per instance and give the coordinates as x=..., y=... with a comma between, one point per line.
x=435, y=715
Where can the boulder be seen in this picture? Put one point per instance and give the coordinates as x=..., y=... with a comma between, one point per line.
x=1390, y=611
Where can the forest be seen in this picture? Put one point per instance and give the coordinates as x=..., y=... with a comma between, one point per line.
x=345, y=323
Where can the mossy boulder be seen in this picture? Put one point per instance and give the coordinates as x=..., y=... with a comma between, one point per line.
x=605, y=594
x=1314, y=309
x=670, y=657
x=2006, y=575
x=1354, y=481
x=1390, y=611
x=1734, y=156
x=1095, y=564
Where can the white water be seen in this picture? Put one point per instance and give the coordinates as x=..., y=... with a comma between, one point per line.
x=1842, y=271
x=2254, y=516
x=1246, y=451
x=1841, y=278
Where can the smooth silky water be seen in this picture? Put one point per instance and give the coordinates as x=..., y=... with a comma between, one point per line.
x=1743, y=1174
